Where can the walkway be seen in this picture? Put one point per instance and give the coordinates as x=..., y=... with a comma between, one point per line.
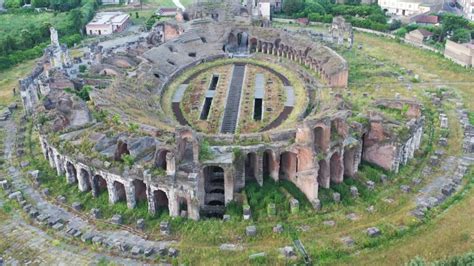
x=231, y=113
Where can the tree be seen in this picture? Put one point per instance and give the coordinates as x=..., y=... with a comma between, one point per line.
x=450, y=23
x=40, y=3
x=291, y=7
x=314, y=7
x=75, y=18
x=461, y=36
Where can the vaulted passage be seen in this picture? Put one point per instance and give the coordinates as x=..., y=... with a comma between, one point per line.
x=71, y=171
x=161, y=201
x=318, y=133
x=140, y=190
x=100, y=184
x=288, y=165
x=122, y=149
x=323, y=174
x=349, y=161
x=161, y=159
x=214, y=191
x=183, y=206
x=120, y=191
x=251, y=167
x=269, y=164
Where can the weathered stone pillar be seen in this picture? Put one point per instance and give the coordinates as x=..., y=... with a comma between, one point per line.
x=82, y=180
x=228, y=185
x=173, y=203
x=113, y=195
x=151, y=200
x=52, y=161
x=59, y=165
x=130, y=194
x=94, y=186
x=259, y=169
x=170, y=164
x=193, y=209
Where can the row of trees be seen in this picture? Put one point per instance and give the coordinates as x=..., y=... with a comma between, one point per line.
x=33, y=38
x=57, y=5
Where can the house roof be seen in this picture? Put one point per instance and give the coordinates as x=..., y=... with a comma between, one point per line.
x=427, y=19
x=424, y=32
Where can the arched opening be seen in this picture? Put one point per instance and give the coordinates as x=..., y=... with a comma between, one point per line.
x=183, y=207
x=100, y=184
x=288, y=165
x=122, y=149
x=214, y=191
x=349, y=161
x=161, y=159
x=323, y=174
x=336, y=168
x=318, y=133
x=140, y=190
x=251, y=167
x=269, y=163
x=71, y=171
x=277, y=43
x=253, y=45
x=161, y=201
x=84, y=182
x=120, y=191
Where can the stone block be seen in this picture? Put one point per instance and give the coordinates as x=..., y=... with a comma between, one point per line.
x=405, y=188
x=336, y=197
x=271, y=209
x=371, y=209
x=136, y=250
x=97, y=240
x=226, y=217
x=352, y=216
x=54, y=220
x=42, y=217
x=162, y=250
x=46, y=192
x=183, y=214
x=172, y=252
x=141, y=224
x=434, y=160
x=15, y=195
x=347, y=240
x=448, y=189
x=247, y=212
x=61, y=199
x=384, y=179
x=77, y=206
x=278, y=229
x=148, y=251
x=230, y=247
x=95, y=213
x=24, y=164
x=257, y=255
x=117, y=219
x=416, y=181
x=288, y=251
x=354, y=192
x=165, y=228
x=330, y=223
x=370, y=185
x=58, y=226
x=251, y=230
x=4, y=184
x=33, y=213
x=316, y=204
x=443, y=142
x=294, y=206
x=373, y=232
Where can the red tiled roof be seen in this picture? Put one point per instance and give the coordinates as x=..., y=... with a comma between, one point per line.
x=427, y=19
x=425, y=33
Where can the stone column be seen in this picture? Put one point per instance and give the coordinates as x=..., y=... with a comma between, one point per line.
x=130, y=194
x=82, y=184
x=228, y=185
x=113, y=196
x=193, y=209
x=52, y=161
x=259, y=169
x=151, y=200
x=170, y=164
x=173, y=204
x=59, y=165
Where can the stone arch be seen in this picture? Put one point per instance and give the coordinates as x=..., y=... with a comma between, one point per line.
x=84, y=180
x=288, y=165
x=71, y=172
x=100, y=184
x=323, y=174
x=306, y=51
x=336, y=168
x=270, y=165
x=318, y=134
x=232, y=40
x=349, y=161
x=140, y=190
x=277, y=42
x=122, y=148
x=160, y=161
x=242, y=39
x=251, y=166
x=120, y=191
x=161, y=200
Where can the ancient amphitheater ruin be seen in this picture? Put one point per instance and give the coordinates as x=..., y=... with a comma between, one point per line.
x=204, y=104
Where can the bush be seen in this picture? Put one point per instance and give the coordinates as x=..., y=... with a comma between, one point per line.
x=13, y=3
x=82, y=68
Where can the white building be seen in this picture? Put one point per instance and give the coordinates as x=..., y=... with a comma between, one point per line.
x=105, y=23
x=404, y=7
x=467, y=8
x=264, y=9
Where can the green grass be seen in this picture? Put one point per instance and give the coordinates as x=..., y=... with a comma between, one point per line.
x=14, y=23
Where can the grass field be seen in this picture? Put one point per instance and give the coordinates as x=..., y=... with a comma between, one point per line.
x=9, y=80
